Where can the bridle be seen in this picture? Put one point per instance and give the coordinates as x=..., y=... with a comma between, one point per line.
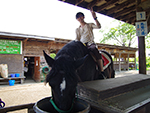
x=59, y=110
x=62, y=111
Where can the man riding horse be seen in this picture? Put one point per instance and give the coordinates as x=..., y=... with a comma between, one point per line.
x=74, y=64
x=84, y=33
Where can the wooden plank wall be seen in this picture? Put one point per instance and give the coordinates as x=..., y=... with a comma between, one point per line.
x=14, y=62
x=35, y=48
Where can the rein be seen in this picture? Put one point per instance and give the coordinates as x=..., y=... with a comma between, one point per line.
x=62, y=111
x=59, y=110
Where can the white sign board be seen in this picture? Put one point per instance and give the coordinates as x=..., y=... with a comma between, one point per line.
x=140, y=16
x=141, y=28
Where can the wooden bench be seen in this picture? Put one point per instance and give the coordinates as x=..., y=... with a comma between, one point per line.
x=17, y=80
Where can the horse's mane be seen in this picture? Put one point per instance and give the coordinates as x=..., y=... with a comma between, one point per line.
x=65, y=57
x=74, y=50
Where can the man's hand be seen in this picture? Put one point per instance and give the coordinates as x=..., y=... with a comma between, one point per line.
x=95, y=18
x=93, y=13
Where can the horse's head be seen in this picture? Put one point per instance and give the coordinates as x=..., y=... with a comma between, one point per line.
x=63, y=79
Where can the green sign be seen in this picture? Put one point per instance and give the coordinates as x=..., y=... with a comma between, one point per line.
x=10, y=47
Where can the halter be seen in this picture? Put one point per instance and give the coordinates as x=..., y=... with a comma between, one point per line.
x=59, y=110
x=62, y=111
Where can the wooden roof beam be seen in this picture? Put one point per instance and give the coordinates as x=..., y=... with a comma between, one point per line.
x=130, y=21
x=124, y=11
x=108, y=4
x=94, y=2
x=25, y=40
x=130, y=15
x=78, y=2
x=120, y=6
x=148, y=18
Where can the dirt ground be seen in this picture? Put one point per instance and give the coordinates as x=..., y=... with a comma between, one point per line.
x=23, y=94
x=32, y=92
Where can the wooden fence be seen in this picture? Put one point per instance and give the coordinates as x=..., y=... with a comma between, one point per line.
x=18, y=107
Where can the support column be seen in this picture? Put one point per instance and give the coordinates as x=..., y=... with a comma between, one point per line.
x=135, y=62
x=141, y=46
x=119, y=62
x=128, y=62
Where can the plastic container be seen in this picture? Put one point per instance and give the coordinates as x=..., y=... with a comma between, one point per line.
x=12, y=75
x=44, y=106
x=4, y=70
x=11, y=82
x=17, y=75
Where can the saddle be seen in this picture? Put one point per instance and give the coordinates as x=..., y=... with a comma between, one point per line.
x=106, y=60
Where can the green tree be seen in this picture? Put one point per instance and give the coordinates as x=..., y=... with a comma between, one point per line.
x=124, y=34
x=147, y=40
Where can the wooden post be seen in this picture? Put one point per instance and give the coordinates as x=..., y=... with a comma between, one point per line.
x=141, y=46
x=128, y=62
x=135, y=62
x=119, y=62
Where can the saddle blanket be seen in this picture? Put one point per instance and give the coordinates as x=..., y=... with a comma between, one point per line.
x=106, y=60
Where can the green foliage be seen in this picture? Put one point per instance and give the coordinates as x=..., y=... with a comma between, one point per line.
x=124, y=34
x=147, y=41
x=147, y=61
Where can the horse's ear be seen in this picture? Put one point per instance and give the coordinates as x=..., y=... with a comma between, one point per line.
x=49, y=60
x=80, y=61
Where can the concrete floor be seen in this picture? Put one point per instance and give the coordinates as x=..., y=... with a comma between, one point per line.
x=31, y=92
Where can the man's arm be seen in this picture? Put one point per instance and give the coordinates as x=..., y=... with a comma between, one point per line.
x=95, y=18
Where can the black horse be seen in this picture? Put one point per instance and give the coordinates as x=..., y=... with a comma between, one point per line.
x=72, y=64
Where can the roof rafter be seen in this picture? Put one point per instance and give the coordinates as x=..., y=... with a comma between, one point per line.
x=120, y=6
x=124, y=11
x=108, y=4
x=78, y=2
x=94, y=2
x=127, y=16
